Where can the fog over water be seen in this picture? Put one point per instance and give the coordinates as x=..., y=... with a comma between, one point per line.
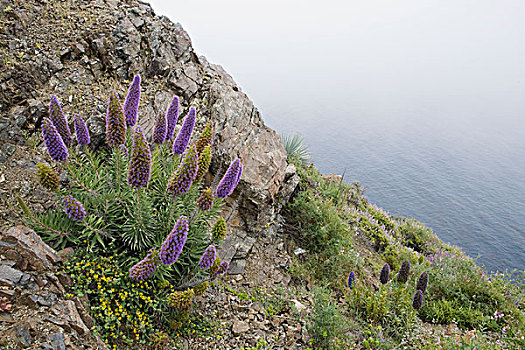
x=422, y=102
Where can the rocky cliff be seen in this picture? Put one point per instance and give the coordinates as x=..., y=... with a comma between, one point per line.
x=79, y=50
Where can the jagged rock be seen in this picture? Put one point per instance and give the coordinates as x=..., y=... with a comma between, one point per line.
x=9, y=276
x=57, y=341
x=240, y=327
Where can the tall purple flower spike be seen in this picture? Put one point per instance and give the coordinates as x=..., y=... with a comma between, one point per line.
x=81, y=130
x=140, y=164
x=59, y=120
x=229, y=180
x=131, y=105
x=73, y=208
x=208, y=258
x=182, y=178
x=159, y=131
x=183, y=138
x=146, y=267
x=53, y=141
x=172, y=246
x=115, y=122
x=172, y=115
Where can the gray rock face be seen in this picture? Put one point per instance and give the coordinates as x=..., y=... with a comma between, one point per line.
x=101, y=46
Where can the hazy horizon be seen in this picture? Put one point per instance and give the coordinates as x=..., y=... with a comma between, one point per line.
x=420, y=101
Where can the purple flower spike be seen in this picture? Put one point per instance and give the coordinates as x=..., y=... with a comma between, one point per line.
x=59, y=120
x=418, y=300
x=124, y=152
x=81, y=130
x=223, y=268
x=140, y=164
x=172, y=246
x=131, y=105
x=205, y=200
x=73, y=208
x=115, y=122
x=146, y=267
x=182, y=178
x=385, y=274
x=207, y=258
x=181, y=142
x=53, y=141
x=229, y=180
x=351, y=280
x=172, y=116
x=422, y=282
x=159, y=131
x=236, y=180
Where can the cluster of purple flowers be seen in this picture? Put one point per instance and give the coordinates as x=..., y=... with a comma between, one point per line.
x=146, y=267
x=160, y=129
x=73, y=208
x=115, y=122
x=205, y=138
x=131, y=104
x=422, y=282
x=351, y=279
x=385, y=274
x=205, y=200
x=183, y=138
x=404, y=272
x=182, y=178
x=172, y=115
x=140, y=164
x=172, y=246
x=230, y=179
x=59, y=120
x=223, y=268
x=417, y=302
x=204, y=163
x=81, y=130
x=53, y=141
x=208, y=258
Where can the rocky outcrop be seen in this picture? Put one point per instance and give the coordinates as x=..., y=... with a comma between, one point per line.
x=80, y=50
x=38, y=316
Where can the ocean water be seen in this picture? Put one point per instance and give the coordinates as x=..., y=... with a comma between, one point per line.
x=459, y=170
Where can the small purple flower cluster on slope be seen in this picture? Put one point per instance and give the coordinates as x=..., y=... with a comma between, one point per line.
x=183, y=138
x=172, y=115
x=230, y=179
x=422, y=282
x=223, y=268
x=182, y=178
x=404, y=272
x=73, y=208
x=146, y=267
x=160, y=129
x=174, y=242
x=81, y=130
x=131, y=104
x=53, y=141
x=59, y=120
x=140, y=164
x=417, y=302
x=351, y=279
x=115, y=122
x=385, y=274
x=205, y=200
x=207, y=258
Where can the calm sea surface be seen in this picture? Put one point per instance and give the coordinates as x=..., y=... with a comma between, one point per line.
x=460, y=171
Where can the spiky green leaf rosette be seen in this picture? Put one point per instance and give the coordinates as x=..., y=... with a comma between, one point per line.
x=205, y=200
x=172, y=115
x=131, y=104
x=204, y=163
x=205, y=138
x=73, y=208
x=422, y=282
x=208, y=257
x=115, y=122
x=417, y=302
x=143, y=270
x=172, y=246
x=47, y=176
x=218, y=230
x=385, y=273
x=81, y=130
x=182, y=178
x=404, y=272
x=140, y=164
x=53, y=141
x=160, y=129
x=59, y=120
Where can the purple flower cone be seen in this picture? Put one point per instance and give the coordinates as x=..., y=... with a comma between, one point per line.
x=73, y=208
x=81, y=130
x=183, y=138
x=207, y=258
x=59, y=120
x=182, y=178
x=115, y=122
x=172, y=115
x=229, y=180
x=131, y=105
x=160, y=129
x=140, y=164
x=53, y=141
x=174, y=242
x=146, y=267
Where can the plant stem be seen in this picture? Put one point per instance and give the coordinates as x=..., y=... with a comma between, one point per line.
x=91, y=160
x=66, y=165
x=117, y=172
x=138, y=209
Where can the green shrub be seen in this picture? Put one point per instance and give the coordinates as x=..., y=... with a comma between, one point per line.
x=326, y=324
x=296, y=149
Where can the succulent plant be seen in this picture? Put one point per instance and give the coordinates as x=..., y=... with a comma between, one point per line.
x=183, y=138
x=172, y=246
x=47, y=176
x=139, y=171
x=55, y=145
x=385, y=274
x=58, y=119
x=131, y=104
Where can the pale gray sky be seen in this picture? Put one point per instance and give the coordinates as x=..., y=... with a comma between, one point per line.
x=370, y=49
